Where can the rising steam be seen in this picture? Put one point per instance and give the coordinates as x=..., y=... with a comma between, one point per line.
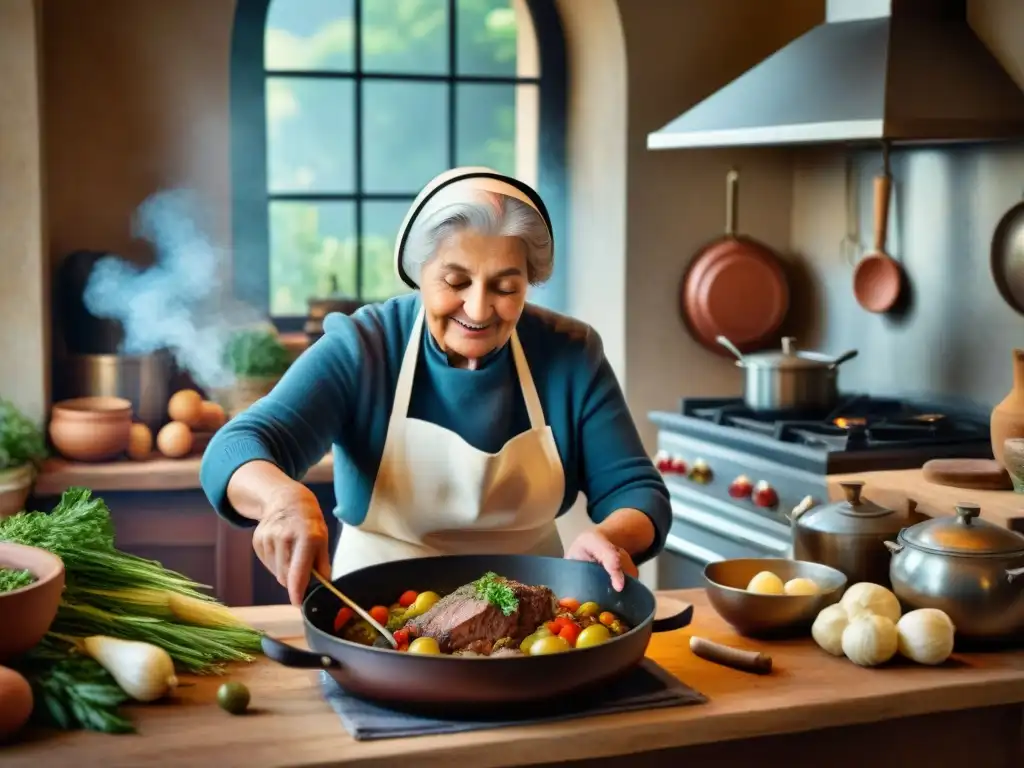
x=181, y=303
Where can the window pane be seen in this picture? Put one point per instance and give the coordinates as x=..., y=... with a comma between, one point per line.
x=405, y=134
x=496, y=126
x=380, y=228
x=310, y=34
x=310, y=243
x=310, y=126
x=495, y=37
x=405, y=36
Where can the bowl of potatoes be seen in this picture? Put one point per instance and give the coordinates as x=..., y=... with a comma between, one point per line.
x=762, y=597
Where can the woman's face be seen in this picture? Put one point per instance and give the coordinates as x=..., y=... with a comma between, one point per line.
x=473, y=292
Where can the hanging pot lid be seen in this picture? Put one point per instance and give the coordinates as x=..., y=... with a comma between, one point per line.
x=788, y=358
x=855, y=516
x=965, y=534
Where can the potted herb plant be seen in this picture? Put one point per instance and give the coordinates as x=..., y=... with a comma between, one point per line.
x=257, y=359
x=22, y=448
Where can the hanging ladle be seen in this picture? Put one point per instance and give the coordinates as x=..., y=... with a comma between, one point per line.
x=355, y=607
x=877, y=278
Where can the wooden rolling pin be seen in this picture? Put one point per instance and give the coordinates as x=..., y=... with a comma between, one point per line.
x=745, y=661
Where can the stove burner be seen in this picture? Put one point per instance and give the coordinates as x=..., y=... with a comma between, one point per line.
x=850, y=421
x=860, y=423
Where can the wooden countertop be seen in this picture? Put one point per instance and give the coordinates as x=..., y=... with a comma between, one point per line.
x=895, y=487
x=155, y=474
x=294, y=726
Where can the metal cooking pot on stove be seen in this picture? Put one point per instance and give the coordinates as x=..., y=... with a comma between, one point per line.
x=849, y=536
x=789, y=380
x=969, y=568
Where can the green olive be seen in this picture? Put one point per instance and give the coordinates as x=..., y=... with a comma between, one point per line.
x=425, y=646
x=424, y=602
x=595, y=634
x=528, y=642
x=538, y=634
x=545, y=646
x=588, y=609
x=233, y=698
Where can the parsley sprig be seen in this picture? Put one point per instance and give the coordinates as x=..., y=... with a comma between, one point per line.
x=495, y=590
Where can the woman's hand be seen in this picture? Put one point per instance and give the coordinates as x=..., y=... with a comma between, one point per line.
x=291, y=539
x=595, y=547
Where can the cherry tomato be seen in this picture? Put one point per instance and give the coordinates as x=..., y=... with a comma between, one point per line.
x=380, y=614
x=569, y=633
x=408, y=598
x=402, y=636
x=571, y=604
x=606, y=618
x=402, y=647
x=343, y=617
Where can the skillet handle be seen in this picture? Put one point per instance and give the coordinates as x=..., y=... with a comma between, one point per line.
x=290, y=656
x=676, y=621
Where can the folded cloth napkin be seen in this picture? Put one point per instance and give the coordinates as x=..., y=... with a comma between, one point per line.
x=647, y=686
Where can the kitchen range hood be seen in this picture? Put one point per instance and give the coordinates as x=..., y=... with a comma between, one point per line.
x=876, y=70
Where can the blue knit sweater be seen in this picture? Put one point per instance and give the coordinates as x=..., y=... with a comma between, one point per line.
x=339, y=393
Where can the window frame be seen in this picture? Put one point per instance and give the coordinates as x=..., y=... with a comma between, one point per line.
x=250, y=194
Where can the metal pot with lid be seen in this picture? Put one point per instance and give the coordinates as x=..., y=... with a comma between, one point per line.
x=849, y=535
x=967, y=567
x=789, y=379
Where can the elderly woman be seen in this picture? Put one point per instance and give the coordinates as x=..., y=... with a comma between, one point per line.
x=462, y=419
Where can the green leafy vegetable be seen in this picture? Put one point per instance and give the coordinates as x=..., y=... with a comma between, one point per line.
x=73, y=692
x=21, y=440
x=256, y=353
x=11, y=579
x=109, y=592
x=497, y=592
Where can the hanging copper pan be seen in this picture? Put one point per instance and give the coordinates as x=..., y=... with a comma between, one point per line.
x=734, y=287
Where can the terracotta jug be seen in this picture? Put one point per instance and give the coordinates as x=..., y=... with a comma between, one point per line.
x=1008, y=416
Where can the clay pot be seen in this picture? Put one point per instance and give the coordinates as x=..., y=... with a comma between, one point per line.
x=1008, y=416
x=91, y=428
x=28, y=612
x=247, y=391
x=15, y=484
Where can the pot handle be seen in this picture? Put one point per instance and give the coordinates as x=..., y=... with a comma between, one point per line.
x=731, y=347
x=806, y=505
x=842, y=359
x=893, y=547
x=1013, y=573
x=290, y=656
x=671, y=623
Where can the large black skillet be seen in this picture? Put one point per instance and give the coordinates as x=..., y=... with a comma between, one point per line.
x=450, y=683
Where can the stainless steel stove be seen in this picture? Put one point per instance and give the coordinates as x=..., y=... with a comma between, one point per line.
x=734, y=474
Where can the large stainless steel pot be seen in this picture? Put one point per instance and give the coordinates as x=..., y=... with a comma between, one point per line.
x=849, y=536
x=789, y=380
x=145, y=380
x=967, y=567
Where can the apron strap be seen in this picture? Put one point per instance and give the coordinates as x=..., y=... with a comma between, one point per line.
x=407, y=373
x=533, y=407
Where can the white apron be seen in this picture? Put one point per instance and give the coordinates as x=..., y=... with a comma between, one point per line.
x=436, y=494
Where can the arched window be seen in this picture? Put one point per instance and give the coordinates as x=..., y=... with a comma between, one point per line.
x=343, y=109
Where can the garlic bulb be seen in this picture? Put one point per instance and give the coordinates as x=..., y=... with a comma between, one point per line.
x=873, y=598
x=926, y=636
x=145, y=672
x=828, y=627
x=870, y=640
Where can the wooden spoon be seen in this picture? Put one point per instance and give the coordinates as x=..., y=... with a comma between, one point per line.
x=352, y=604
x=877, y=278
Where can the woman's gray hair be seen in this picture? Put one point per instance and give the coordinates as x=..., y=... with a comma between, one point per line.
x=486, y=213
